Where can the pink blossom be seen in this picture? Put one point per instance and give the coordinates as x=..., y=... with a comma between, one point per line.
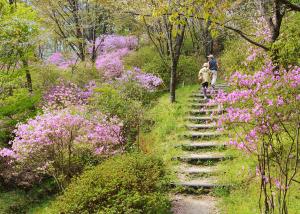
x=148, y=81
x=7, y=153
x=280, y=101
x=66, y=94
x=62, y=127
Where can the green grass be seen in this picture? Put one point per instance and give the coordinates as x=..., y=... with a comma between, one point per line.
x=243, y=196
x=168, y=120
x=11, y=199
x=159, y=138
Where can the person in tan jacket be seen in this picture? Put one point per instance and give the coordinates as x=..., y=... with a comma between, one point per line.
x=204, y=77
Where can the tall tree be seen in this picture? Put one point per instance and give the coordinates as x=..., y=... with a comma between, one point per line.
x=18, y=39
x=75, y=22
x=166, y=29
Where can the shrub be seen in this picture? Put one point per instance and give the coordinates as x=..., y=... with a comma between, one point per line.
x=188, y=69
x=131, y=183
x=263, y=112
x=14, y=109
x=149, y=61
x=287, y=47
x=232, y=58
x=55, y=142
x=140, y=57
x=113, y=102
x=67, y=94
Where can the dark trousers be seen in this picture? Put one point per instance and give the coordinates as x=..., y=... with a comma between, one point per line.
x=204, y=88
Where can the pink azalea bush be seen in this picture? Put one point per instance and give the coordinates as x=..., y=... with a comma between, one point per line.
x=147, y=81
x=263, y=110
x=111, y=63
x=66, y=94
x=61, y=61
x=54, y=142
x=111, y=49
x=109, y=43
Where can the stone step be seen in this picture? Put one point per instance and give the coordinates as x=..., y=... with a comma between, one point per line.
x=191, y=204
x=202, y=145
x=202, y=135
x=207, y=111
x=203, y=105
x=201, y=95
x=195, y=126
x=200, y=183
x=211, y=90
x=201, y=158
x=203, y=118
x=198, y=100
x=197, y=170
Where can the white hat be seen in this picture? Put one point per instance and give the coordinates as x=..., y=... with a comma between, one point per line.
x=206, y=65
x=210, y=56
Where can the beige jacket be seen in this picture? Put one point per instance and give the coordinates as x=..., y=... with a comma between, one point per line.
x=204, y=75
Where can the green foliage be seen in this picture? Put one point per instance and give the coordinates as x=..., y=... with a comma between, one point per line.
x=232, y=58
x=149, y=61
x=188, y=69
x=19, y=201
x=131, y=183
x=287, y=47
x=111, y=101
x=241, y=175
x=19, y=29
x=45, y=76
x=14, y=109
x=163, y=125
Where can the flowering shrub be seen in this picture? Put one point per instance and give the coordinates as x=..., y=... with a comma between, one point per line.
x=109, y=43
x=114, y=103
x=111, y=49
x=53, y=143
x=111, y=63
x=263, y=110
x=59, y=60
x=147, y=81
x=66, y=94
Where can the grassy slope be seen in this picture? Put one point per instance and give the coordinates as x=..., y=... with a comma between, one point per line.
x=244, y=196
x=164, y=135
x=168, y=125
x=160, y=141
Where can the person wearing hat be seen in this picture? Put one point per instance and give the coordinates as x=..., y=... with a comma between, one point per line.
x=204, y=77
x=213, y=66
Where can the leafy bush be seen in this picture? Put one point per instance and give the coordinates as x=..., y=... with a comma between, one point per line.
x=131, y=183
x=287, y=46
x=232, y=58
x=14, y=109
x=140, y=57
x=188, y=68
x=18, y=201
x=113, y=102
x=45, y=76
x=55, y=142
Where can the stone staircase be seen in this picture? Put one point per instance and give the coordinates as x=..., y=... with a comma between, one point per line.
x=202, y=149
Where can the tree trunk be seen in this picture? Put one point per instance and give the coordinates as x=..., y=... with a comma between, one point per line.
x=175, y=59
x=208, y=42
x=79, y=33
x=173, y=81
x=28, y=76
